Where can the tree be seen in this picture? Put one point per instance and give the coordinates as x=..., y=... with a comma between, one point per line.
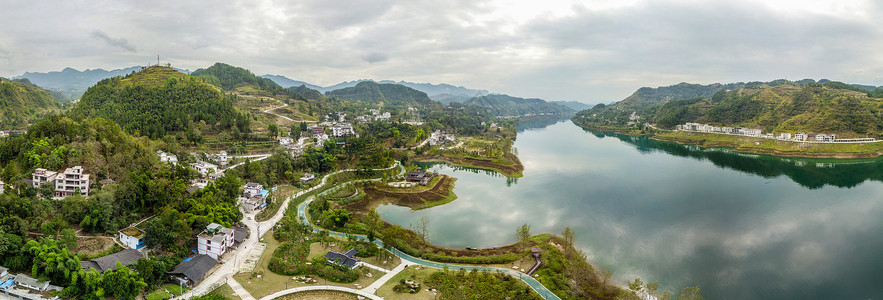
x=273, y=129
x=636, y=285
x=122, y=282
x=568, y=239
x=53, y=262
x=68, y=238
x=691, y=293
x=337, y=217
x=423, y=228
x=523, y=232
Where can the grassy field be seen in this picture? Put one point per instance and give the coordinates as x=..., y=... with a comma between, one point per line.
x=320, y=295
x=227, y=291
x=162, y=292
x=411, y=273
x=280, y=194
x=774, y=147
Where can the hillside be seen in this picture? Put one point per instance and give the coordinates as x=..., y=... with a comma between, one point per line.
x=395, y=95
x=306, y=92
x=158, y=101
x=505, y=105
x=231, y=78
x=832, y=107
x=576, y=106
x=22, y=102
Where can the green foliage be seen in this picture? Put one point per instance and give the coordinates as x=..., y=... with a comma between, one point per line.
x=23, y=102
x=158, y=101
x=53, y=262
x=505, y=105
x=336, y=218
x=122, y=283
x=393, y=95
x=523, y=232
x=229, y=77
x=478, y=285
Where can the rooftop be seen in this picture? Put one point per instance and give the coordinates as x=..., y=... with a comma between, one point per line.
x=109, y=262
x=133, y=232
x=195, y=268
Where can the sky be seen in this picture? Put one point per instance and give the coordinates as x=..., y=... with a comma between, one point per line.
x=586, y=51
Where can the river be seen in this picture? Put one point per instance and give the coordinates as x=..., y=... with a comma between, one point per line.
x=741, y=226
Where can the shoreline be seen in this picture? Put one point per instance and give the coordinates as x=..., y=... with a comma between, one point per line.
x=762, y=146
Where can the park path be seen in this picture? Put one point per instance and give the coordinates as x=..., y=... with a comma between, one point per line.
x=239, y=290
x=373, y=287
x=256, y=230
x=322, y=288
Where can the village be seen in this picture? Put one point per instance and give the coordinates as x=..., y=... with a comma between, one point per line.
x=758, y=133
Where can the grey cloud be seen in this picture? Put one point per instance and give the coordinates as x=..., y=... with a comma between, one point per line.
x=116, y=42
x=374, y=57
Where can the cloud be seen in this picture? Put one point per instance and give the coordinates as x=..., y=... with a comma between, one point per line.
x=118, y=42
x=374, y=57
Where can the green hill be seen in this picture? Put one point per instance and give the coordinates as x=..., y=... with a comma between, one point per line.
x=832, y=107
x=231, y=78
x=394, y=95
x=158, y=101
x=22, y=102
x=307, y=92
x=505, y=105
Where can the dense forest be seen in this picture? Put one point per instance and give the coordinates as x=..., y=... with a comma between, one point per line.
x=229, y=77
x=393, y=95
x=158, y=101
x=505, y=105
x=23, y=102
x=832, y=107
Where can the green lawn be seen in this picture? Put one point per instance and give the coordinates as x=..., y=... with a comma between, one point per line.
x=227, y=291
x=411, y=273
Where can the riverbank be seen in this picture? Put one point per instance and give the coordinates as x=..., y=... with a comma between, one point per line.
x=754, y=145
x=511, y=167
x=439, y=192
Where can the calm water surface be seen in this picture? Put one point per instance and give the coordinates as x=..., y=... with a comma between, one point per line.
x=741, y=226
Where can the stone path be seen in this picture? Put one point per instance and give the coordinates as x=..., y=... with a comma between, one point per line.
x=239, y=290
x=322, y=288
x=377, y=284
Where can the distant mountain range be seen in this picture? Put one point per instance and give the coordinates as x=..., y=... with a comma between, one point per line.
x=505, y=105
x=430, y=89
x=73, y=83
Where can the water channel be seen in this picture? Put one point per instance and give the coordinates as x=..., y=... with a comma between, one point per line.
x=741, y=226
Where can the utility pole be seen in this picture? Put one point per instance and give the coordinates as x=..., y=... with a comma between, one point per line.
x=157, y=59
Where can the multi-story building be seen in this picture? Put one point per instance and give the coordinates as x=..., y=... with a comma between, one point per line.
x=1, y=186
x=342, y=130
x=215, y=240
x=295, y=150
x=800, y=137
x=41, y=176
x=318, y=130
x=132, y=237
x=73, y=179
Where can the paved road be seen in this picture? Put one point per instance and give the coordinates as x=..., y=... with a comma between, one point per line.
x=281, y=116
x=256, y=229
x=533, y=283
x=322, y=288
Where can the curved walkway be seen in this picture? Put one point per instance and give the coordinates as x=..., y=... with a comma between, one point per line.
x=257, y=230
x=322, y=288
x=530, y=281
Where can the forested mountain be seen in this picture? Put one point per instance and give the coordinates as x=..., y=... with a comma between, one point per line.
x=448, y=98
x=306, y=92
x=395, y=95
x=505, y=105
x=832, y=107
x=229, y=77
x=158, y=101
x=22, y=102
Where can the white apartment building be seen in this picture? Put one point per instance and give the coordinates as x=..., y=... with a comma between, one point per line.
x=785, y=136
x=215, y=240
x=1, y=186
x=285, y=141
x=800, y=137
x=295, y=150
x=67, y=183
x=41, y=176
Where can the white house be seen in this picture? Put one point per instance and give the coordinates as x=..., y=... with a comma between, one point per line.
x=800, y=137
x=785, y=136
x=31, y=282
x=252, y=189
x=295, y=150
x=204, y=168
x=67, y=183
x=342, y=130
x=215, y=240
x=307, y=178
x=132, y=237
x=1, y=186
x=285, y=141
x=165, y=157
x=41, y=176
x=320, y=140
x=825, y=138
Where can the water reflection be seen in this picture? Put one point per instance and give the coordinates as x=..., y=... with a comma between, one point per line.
x=810, y=173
